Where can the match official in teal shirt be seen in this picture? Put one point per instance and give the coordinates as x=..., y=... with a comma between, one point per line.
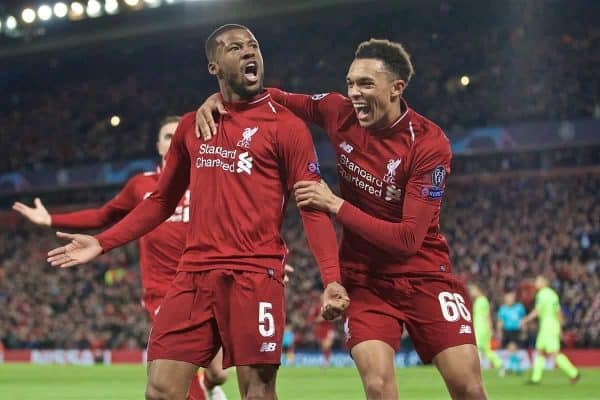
x=509, y=318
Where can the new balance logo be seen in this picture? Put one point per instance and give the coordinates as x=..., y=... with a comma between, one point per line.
x=268, y=347
x=244, y=163
x=465, y=329
x=346, y=147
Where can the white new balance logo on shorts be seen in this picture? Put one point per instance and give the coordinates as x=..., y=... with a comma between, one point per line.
x=268, y=347
x=465, y=329
x=244, y=163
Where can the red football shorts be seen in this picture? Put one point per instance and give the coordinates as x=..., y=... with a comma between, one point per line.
x=434, y=307
x=242, y=311
x=152, y=304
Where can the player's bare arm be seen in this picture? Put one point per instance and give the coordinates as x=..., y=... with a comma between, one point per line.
x=81, y=249
x=36, y=214
x=317, y=195
x=205, y=123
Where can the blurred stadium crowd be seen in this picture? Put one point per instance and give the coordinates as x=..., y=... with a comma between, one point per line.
x=503, y=232
x=533, y=63
x=530, y=63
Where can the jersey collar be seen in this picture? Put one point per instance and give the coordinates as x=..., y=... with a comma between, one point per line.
x=401, y=124
x=257, y=100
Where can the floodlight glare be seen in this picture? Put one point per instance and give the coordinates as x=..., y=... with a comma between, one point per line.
x=111, y=6
x=28, y=15
x=152, y=3
x=60, y=10
x=44, y=12
x=94, y=9
x=11, y=23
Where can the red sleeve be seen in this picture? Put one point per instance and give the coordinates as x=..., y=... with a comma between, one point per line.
x=299, y=159
x=95, y=218
x=319, y=109
x=422, y=202
x=152, y=211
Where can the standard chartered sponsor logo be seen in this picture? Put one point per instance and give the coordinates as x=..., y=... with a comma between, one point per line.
x=219, y=157
x=358, y=176
x=218, y=150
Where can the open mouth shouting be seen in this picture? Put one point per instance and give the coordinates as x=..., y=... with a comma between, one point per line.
x=250, y=72
x=362, y=110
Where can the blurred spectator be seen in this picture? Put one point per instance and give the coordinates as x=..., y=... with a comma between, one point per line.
x=525, y=61
x=501, y=232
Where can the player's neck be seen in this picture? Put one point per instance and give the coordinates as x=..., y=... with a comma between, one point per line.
x=230, y=96
x=390, y=118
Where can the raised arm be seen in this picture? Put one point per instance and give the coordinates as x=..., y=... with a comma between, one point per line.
x=96, y=218
x=145, y=217
x=161, y=204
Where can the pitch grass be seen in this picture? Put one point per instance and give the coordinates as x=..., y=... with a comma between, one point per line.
x=126, y=382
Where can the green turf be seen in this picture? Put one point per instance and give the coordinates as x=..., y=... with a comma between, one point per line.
x=29, y=382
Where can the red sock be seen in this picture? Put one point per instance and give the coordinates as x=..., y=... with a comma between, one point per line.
x=195, y=392
x=327, y=355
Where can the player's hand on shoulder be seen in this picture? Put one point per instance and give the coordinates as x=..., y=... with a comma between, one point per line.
x=335, y=301
x=80, y=249
x=37, y=214
x=205, y=122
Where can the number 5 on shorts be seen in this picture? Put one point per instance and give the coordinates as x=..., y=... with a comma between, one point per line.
x=453, y=307
x=266, y=322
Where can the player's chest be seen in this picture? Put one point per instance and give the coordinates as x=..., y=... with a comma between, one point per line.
x=237, y=150
x=375, y=170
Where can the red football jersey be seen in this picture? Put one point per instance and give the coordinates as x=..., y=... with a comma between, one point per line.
x=160, y=249
x=392, y=180
x=240, y=181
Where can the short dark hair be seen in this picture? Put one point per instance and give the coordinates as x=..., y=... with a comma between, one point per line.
x=210, y=46
x=167, y=120
x=393, y=55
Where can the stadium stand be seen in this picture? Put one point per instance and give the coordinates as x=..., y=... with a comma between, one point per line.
x=503, y=227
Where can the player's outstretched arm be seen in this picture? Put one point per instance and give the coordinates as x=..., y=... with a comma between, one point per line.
x=36, y=214
x=91, y=218
x=100, y=217
x=171, y=186
x=81, y=249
